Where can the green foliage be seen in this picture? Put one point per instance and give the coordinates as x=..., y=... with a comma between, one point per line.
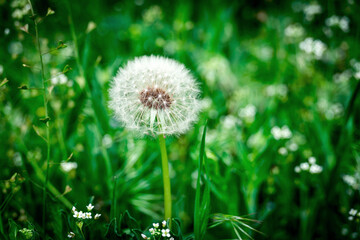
x=257, y=72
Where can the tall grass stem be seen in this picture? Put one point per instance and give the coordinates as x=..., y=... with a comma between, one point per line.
x=45, y=93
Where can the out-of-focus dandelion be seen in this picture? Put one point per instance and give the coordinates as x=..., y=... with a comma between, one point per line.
x=155, y=95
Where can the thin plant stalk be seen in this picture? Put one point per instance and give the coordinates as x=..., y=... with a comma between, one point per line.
x=166, y=178
x=45, y=95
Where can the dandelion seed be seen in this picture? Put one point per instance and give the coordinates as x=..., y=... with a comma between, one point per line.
x=155, y=95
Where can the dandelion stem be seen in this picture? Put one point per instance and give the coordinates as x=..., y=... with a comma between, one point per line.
x=45, y=93
x=166, y=178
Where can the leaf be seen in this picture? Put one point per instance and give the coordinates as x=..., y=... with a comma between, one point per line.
x=38, y=133
x=44, y=120
x=23, y=87
x=61, y=45
x=66, y=68
x=4, y=82
x=202, y=207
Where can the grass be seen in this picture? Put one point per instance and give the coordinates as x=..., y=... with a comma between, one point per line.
x=237, y=182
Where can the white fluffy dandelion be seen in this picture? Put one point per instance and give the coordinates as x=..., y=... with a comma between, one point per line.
x=155, y=95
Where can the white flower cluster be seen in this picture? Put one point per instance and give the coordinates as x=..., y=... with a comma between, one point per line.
x=279, y=90
x=356, y=66
x=156, y=232
x=311, y=10
x=155, y=95
x=309, y=166
x=294, y=31
x=352, y=181
x=59, y=78
x=281, y=133
x=68, y=166
x=336, y=21
x=84, y=215
x=353, y=213
x=20, y=8
x=216, y=70
x=248, y=113
x=313, y=47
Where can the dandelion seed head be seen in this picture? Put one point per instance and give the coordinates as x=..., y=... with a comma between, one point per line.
x=155, y=95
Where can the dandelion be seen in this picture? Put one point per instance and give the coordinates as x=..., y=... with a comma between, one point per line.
x=155, y=95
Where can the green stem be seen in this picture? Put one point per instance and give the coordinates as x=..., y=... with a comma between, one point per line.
x=166, y=178
x=44, y=84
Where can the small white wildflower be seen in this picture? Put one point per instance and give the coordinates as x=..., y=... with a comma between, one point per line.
x=71, y=235
x=144, y=236
x=155, y=95
x=304, y=166
x=294, y=31
x=297, y=169
x=88, y=215
x=7, y=31
x=76, y=214
x=248, y=112
x=156, y=225
x=281, y=133
x=352, y=212
x=165, y=232
x=152, y=231
x=311, y=10
x=357, y=75
x=293, y=147
x=283, y=151
x=97, y=216
x=171, y=238
x=68, y=166
x=73, y=209
x=89, y=207
x=164, y=223
x=313, y=47
x=81, y=215
x=315, y=169
x=312, y=160
x=351, y=218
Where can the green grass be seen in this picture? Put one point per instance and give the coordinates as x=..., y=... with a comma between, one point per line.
x=253, y=77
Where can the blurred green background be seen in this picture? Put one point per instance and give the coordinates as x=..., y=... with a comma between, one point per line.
x=280, y=84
